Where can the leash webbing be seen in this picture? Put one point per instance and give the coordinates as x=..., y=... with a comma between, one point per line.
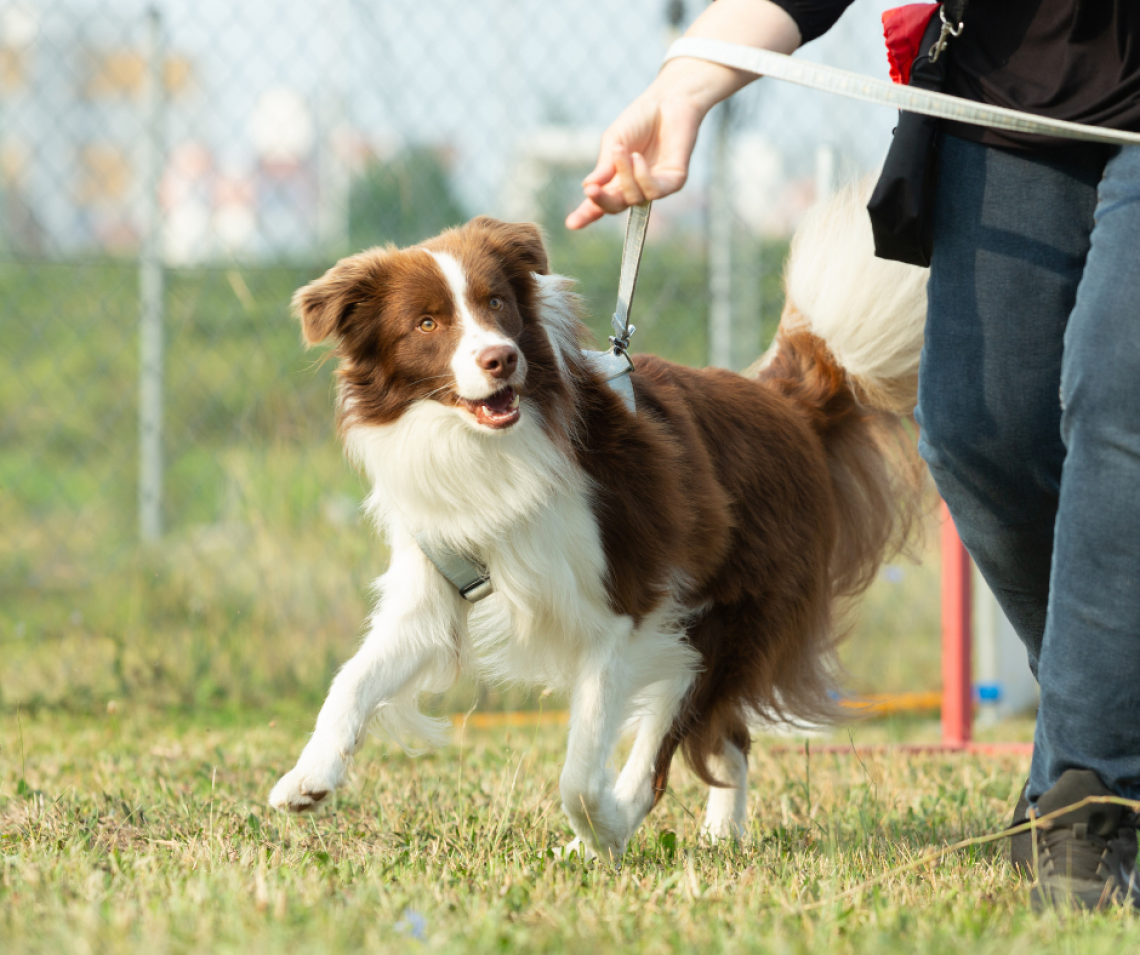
x=885, y=93
x=635, y=227
x=615, y=365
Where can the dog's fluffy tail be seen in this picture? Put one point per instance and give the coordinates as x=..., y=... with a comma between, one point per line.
x=870, y=312
x=847, y=352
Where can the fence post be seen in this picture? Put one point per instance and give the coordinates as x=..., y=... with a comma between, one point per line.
x=333, y=183
x=151, y=286
x=720, y=244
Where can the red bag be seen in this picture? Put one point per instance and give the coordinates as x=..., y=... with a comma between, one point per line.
x=903, y=28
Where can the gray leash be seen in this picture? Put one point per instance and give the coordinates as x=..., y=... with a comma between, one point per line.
x=470, y=577
x=615, y=365
x=870, y=90
x=635, y=227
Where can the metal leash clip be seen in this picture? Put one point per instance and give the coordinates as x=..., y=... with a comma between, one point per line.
x=948, y=30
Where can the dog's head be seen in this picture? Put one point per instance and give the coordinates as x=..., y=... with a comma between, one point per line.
x=454, y=320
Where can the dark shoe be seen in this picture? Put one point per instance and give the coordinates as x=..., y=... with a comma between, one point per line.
x=1021, y=843
x=1086, y=858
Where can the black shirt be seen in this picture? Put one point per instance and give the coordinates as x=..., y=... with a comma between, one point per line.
x=1077, y=60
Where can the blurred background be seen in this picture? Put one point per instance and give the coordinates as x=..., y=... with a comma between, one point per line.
x=177, y=523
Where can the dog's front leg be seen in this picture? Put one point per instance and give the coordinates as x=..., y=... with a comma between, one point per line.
x=659, y=705
x=597, y=708
x=415, y=640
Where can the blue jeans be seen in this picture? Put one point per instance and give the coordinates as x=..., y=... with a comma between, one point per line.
x=1029, y=408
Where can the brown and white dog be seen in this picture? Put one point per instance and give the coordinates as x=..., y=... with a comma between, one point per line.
x=676, y=569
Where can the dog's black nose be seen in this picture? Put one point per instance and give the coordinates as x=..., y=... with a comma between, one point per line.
x=498, y=361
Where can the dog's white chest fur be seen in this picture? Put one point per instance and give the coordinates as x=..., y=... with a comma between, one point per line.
x=515, y=503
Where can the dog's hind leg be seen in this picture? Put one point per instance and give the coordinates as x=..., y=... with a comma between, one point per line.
x=727, y=809
x=415, y=641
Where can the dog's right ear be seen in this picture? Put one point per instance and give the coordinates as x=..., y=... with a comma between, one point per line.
x=325, y=306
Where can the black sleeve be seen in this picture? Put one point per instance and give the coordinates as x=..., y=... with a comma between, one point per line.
x=814, y=17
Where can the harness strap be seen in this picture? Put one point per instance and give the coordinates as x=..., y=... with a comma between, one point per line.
x=870, y=90
x=614, y=367
x=470, y=578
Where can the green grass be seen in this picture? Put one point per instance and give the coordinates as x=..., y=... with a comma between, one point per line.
x=147, y=832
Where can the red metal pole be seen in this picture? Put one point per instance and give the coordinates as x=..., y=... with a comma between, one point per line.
x=957, y=696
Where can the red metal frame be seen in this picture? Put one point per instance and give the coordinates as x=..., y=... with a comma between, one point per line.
x=957, y=638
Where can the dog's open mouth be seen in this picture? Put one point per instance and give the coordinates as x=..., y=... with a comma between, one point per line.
x=499, y=410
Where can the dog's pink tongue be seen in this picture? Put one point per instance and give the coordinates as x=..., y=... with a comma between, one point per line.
x=498, y=411
x=500, y=402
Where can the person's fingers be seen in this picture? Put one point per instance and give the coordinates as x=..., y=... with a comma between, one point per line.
x=610, y=197
x=630, y=189
x=668, y=169
x=643, y=155
x=604, y=171
x=586, y=213
x=644, y=178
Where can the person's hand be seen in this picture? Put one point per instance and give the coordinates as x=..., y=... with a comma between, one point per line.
x=645, y=153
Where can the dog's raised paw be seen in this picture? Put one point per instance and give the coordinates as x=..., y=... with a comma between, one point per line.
x=298, y=791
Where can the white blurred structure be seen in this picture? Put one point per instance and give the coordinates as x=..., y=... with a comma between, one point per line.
x=540, y=155
x=1003, y=682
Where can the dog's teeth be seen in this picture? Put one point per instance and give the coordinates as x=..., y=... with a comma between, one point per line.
x=515, y=401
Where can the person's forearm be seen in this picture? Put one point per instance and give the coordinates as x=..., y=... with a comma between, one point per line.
x=757, y=23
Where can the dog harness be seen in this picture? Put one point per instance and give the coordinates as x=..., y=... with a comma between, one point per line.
x=471, y=578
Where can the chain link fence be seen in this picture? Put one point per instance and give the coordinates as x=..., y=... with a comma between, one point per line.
x=177, y=521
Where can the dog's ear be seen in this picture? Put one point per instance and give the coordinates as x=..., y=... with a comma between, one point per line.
x=518, y=242
x=325, y=306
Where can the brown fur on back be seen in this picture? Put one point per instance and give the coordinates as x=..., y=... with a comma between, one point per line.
x=777, y=497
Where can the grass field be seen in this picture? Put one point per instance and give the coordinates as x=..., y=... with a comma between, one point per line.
x=139, y=832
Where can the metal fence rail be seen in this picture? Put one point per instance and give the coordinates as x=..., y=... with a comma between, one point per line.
x=172, y=500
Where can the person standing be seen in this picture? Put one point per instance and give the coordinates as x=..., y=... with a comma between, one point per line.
x=1028, y=405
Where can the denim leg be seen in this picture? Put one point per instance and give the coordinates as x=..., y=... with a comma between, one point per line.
x=1011, y=237
x=1090, y=660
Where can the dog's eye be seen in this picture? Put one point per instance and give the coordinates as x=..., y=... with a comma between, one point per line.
x=427, y=324
x=495, y=304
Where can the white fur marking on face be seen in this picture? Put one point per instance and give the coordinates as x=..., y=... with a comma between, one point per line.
x=471, y=381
